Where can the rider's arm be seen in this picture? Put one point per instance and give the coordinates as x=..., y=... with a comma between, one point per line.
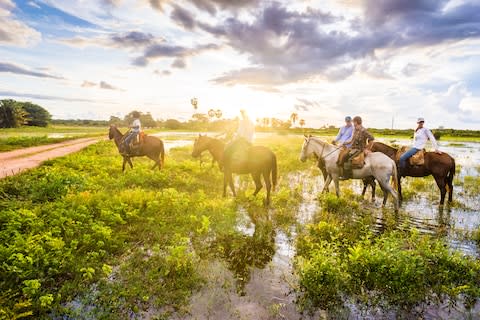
x=432, y=139
x=351, y=138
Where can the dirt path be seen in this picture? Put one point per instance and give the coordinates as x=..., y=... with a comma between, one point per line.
x=14, y=162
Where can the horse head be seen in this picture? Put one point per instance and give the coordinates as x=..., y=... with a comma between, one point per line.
x=111, y=131
x=201, y=144
x=306, y=149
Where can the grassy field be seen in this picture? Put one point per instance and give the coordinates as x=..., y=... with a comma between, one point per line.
x=81, y=239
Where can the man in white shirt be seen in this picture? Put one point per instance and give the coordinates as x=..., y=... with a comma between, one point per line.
x=246, y=127
x=420, y=138
x=135, y=129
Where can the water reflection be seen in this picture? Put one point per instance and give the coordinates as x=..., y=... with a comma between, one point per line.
x=243, y=250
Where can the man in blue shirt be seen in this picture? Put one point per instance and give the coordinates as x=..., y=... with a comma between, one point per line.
x=345, y=132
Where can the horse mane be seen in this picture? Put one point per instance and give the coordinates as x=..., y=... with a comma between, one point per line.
x=114, y=127
x=385, y=146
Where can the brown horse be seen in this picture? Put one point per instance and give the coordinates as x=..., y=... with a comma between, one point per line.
x=440, y=166
x=259, y=161
x=152, y=148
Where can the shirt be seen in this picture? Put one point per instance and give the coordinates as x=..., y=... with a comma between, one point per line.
x=246, y=130
x=136, y=125
x=344, y=134
x=359, y=138
x=420, y=138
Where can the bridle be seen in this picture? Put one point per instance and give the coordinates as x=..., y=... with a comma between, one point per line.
x=323, y=148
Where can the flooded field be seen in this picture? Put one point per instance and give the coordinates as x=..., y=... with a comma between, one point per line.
x=176, y=249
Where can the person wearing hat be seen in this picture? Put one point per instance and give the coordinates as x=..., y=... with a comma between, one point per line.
x=345, y=132
x=355, y=145
x=420, y=138
x=135, y=129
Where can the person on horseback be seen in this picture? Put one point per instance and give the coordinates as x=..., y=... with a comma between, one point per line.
x=135, y=129
x=355, y=145
x=420, y=138
x=243, y=138
x=345, y=133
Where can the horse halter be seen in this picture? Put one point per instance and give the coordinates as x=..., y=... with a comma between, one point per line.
x=323, y=149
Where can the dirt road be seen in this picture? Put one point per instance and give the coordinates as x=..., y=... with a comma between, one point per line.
x=14, y=162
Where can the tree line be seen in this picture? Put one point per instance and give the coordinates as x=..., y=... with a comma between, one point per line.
x=16, y=113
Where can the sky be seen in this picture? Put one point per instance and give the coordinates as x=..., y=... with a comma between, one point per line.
x=387, y=61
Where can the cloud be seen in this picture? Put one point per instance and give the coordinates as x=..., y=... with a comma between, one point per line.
x=7, y=93
x=129, y=40
x=210, y=6
x=163, y=50
x=107, y=86
x=183, y=17
x=163, y=72
x=102, y=85
x=16, y=69
x=88, y=84
x=304, y=45
x=179, y=64
x=12, y=31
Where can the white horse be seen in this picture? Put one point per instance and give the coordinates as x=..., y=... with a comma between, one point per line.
x=377, y=164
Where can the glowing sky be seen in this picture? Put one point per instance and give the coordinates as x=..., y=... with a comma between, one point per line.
x=380, y=59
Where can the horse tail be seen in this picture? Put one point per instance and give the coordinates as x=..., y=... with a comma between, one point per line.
x=162, y=155
x=395, y=176
x=274, y=170
x=450, y=175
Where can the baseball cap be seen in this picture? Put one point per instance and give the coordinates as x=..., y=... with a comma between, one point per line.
x=348, y=118
x=420, y=120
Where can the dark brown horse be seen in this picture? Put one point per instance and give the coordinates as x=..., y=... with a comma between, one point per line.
x=151, y=147
x=440, y=166
x=259, y=161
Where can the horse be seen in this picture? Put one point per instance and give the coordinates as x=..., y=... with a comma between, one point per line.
x=368, y=181
x=259, y=161
x=214, y=146
x=151, y=147
x=440, y=166
x=377, y=164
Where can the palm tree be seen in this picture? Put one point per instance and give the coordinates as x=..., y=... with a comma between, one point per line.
x=211, y=114
x=266, y=121
x=301, y=122
x=294, y=117
x=194, y=102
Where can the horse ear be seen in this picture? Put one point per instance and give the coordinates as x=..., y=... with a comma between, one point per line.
x=309, y=135
x=305, y=135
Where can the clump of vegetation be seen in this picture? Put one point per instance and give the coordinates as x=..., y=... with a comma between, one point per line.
x=392, y=271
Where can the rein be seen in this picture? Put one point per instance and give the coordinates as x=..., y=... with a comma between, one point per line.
x=323, y=148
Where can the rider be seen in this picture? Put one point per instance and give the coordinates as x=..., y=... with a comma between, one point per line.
x=357, y=143
x=244, y=136
x=420, y=138
x=135, y=129
x=345, y=132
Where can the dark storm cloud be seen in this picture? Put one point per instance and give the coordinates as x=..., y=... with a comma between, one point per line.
x=12, y=68
x=298, y=46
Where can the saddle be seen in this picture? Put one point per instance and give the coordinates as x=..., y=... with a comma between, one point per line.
x=418, y=159
x=357, y=162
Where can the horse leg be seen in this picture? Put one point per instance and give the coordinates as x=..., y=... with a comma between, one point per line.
x=327, y=183
x=337, y=187
x=225, y=183
x=230, y=183
x=399, y=186
x=123, y=164
x=374, y=185
x=443, y=190
x=258, y=182
x=268, y=185
x=130, y=162
x=365, y=185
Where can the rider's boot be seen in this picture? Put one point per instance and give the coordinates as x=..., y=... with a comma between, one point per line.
x=347, y=171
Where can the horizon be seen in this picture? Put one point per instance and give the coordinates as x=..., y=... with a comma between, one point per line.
x=322, y=60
